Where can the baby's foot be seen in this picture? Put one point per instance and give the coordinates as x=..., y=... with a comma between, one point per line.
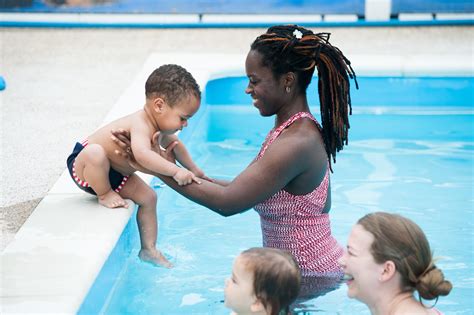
x=154, y=257
x=112, y=200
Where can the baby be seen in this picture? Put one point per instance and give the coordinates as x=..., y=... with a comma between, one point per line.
x=172, y=97
x=264, y=281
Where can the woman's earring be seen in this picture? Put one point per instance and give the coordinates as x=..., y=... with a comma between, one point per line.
x=288, y=90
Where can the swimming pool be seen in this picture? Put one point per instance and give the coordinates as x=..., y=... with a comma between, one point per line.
x=410, y=151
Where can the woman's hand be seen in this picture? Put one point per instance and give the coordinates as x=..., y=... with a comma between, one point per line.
x=200, y=173
x=166, y=153
x=185, y=177
x=121, y=137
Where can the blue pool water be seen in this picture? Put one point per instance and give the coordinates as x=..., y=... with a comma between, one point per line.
x=410, y=152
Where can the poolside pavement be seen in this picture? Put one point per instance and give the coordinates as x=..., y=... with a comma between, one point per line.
x=62, y=84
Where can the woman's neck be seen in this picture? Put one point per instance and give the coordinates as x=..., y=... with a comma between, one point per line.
x=394, y=304
x=299, y=104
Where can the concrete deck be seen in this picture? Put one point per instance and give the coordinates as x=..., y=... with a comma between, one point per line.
x=63, y=84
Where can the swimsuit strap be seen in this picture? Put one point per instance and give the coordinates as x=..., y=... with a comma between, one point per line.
x=291, y=120
x=277, y=131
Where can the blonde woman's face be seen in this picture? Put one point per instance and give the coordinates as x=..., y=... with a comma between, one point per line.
x=359, y=266
x=238, y=291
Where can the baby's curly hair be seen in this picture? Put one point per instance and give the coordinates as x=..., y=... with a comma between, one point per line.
x=172, y=83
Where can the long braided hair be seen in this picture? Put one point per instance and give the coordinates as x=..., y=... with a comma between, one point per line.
x=292, y=48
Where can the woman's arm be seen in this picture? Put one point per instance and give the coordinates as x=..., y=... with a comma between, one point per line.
x=180, y=151
x=218, y=181
x=282, y=162
x=182, y=155
x=256, y=183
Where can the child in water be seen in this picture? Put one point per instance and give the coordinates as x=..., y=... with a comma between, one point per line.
x=172, y=97
x=264, y=281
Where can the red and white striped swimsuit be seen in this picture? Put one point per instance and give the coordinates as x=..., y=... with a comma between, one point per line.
x=296, y=223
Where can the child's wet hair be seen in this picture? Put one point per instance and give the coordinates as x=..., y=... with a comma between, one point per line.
x=172, y=83
x=276, y=276
x=291, y=48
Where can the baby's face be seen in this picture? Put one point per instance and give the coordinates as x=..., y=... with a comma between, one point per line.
x=238, y=292
x=176, y=117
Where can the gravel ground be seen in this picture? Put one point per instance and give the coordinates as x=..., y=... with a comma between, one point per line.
x=61, y=83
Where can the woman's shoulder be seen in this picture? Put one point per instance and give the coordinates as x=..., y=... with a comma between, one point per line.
x=298, y=138
x=435, y=311
x=304, y=133
x=419, y=309
x=304, y=143
x=305, y=129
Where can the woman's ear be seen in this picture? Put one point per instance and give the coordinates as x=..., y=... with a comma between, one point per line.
x=290, y=80
x=389, y=270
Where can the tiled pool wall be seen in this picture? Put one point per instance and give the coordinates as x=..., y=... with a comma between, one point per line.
x=387, y=91
x=103, y=286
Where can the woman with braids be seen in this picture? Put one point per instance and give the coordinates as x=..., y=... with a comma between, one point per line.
x=388, y=258
x=288, y=182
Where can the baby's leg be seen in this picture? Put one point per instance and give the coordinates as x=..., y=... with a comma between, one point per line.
x=137, y=190
x=92, y=165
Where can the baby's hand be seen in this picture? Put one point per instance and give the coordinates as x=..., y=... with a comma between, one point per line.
x=199, y=173
x=185, y=177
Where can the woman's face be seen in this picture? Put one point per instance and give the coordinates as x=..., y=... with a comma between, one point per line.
x=238, y=290
x=360, y=267
x=266, y=91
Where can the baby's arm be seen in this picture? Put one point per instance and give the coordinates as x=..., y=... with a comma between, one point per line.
x=145, y=156
x=181, y=153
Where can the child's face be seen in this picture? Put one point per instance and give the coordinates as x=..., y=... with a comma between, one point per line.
x=176, y=117
x=238, y=292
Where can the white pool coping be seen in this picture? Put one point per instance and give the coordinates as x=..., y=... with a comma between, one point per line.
x=57, y=254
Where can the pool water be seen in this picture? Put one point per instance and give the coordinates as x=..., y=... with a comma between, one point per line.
x=409, y=158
